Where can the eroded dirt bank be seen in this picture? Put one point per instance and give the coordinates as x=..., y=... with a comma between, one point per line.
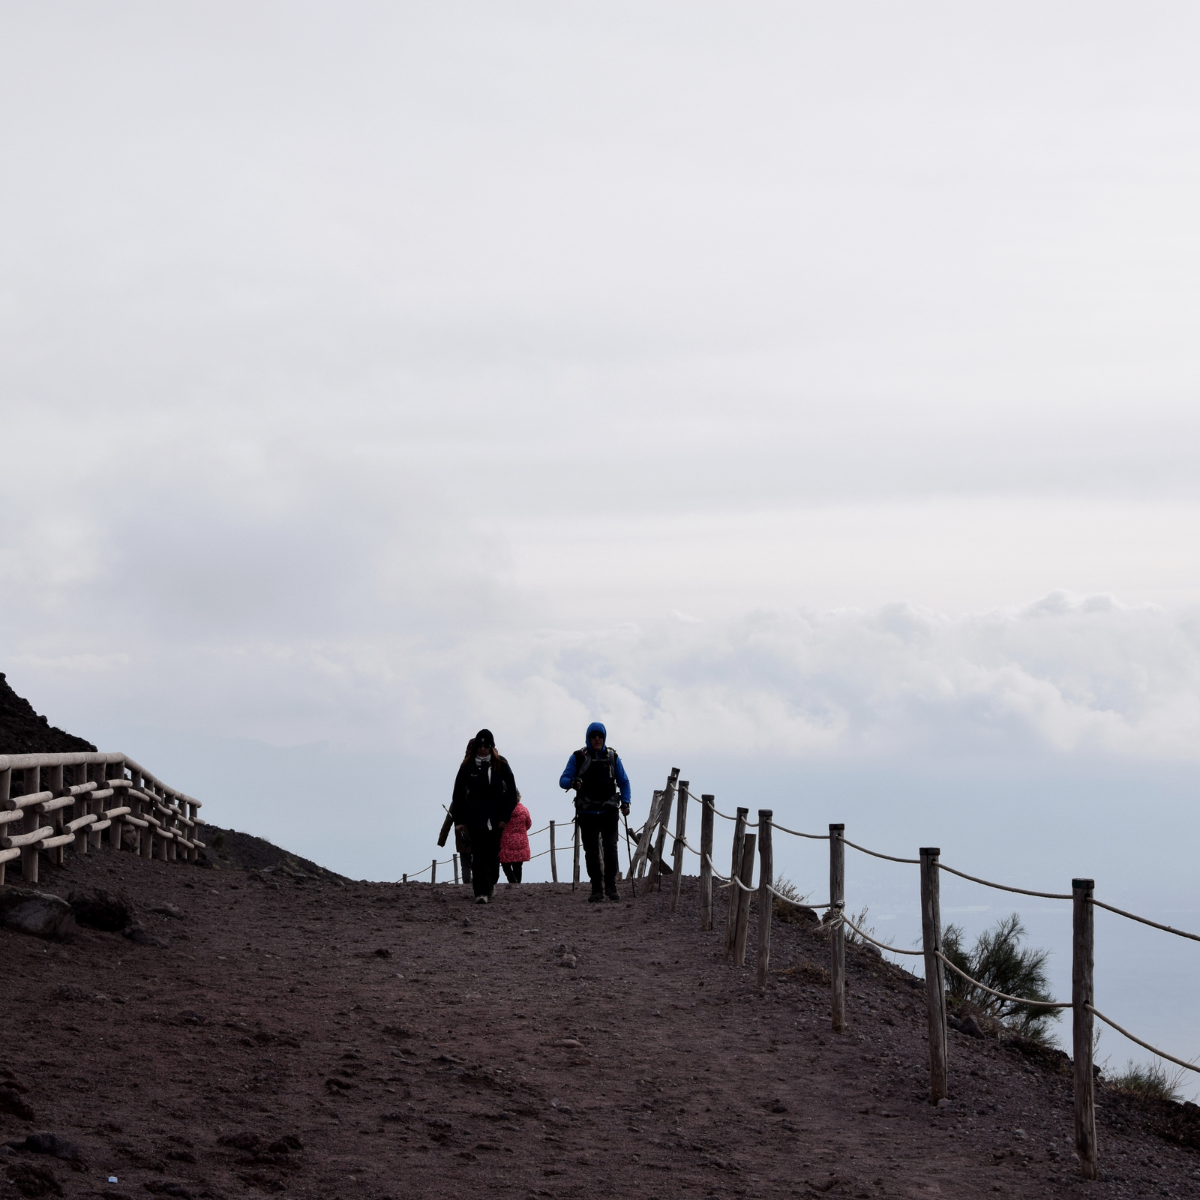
x=341, y=1040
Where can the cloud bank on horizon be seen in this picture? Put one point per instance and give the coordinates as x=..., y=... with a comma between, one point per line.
x=742, y=375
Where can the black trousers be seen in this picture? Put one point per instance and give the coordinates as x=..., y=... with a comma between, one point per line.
x=512, y=871
x=485, y=858
x=593, y=827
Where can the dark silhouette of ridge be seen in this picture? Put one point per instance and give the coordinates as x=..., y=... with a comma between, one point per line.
x=23, y=731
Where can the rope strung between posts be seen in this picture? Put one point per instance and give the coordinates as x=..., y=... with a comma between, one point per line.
x=1145, y=921
x=678, y=838
x=1145, y=1045
x=716, y=874
x=862, y=933
x=816, y=837
x=797, y=903
x=1005, y=888
x=441, y=863
x=916, y=862
x=1013, y=999
x=700, y=799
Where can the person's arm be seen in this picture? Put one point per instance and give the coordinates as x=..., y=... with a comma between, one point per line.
x=511, y=797
x=456, y=803
x=622, y=782
x=567, y=778
x=528, y=821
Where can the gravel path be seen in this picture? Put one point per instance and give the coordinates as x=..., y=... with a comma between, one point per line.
x=373, y=1040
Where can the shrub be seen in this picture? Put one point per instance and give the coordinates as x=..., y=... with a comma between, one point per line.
x=789, y=913
x=1149, y=1079
x=999, y=961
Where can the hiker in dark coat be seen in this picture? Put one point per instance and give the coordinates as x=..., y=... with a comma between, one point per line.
x=601, y=789
x=485, y=794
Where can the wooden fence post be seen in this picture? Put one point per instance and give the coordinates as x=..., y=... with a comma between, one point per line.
x=5, y=792
x=553, y=856
x=94, y=773
x=935, y=975
x=575, y=870
x=29, y=854
x=677, y=856
x=403, y=878
x=735, y=903
x=644, y=851
x=454, y=857
x=433, y=872
x=707, y=805
x=54, y=782
x=660, y=841
x=837, y=935
x=660, y=809
x=746, y=874
x=1082, y=961
x=766, y=902
x=135, y=809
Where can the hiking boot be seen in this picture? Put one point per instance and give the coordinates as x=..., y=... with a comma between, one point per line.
x=597, y=896
x=481, y=899
x=612, y=893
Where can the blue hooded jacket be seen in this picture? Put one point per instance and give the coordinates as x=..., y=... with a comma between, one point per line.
x=571, y=772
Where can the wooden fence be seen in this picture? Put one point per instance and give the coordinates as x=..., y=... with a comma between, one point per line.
x=651, y=847
x=49, y=801
x=649, y=859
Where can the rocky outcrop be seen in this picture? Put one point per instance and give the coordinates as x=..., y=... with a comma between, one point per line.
x=36, y=913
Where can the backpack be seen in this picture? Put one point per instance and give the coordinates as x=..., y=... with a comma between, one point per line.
x=583, y=803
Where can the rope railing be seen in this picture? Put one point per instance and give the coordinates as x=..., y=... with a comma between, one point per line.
x=876, y=854
x=755, y=839
x=72, y=798
x=1146, y=921
x=992, y=991
x=686, y=791
x=862, y=933
x=1179, y=1062
x=1004, y=887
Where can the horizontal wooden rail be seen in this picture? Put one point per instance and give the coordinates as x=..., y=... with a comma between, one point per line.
x=50, y=801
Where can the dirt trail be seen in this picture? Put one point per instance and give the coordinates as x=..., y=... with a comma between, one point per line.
x=346, y=1040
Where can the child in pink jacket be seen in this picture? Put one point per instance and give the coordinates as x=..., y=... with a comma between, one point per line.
x=514, y=843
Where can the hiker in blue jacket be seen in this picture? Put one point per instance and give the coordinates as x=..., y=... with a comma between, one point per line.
x=601, y=789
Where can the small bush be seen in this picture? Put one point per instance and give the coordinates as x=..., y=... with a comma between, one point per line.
x=789, y=914
x=218, y=842
x=1149, y=1079
x=860, y=919
x=998, y=960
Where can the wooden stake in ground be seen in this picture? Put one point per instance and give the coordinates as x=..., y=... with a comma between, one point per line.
x=553, y=856
x=658, y=811
x=746, y=874
x=731, y=911
x=837, y=935
x=1082, y=962
x=935, y=976
x=661, y=840
x=766, y=902
x=677, y=856
x=5, y=792
x=454, y=859
x=707, y=806
x=433, y=872
x=29, y=854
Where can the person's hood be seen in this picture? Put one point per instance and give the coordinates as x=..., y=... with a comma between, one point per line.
x=595, y=727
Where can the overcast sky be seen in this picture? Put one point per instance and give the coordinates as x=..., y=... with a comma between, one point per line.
x=807, y=377
x=807, y=390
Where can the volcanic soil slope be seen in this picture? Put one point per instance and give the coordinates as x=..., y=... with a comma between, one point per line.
x=271, y=1030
